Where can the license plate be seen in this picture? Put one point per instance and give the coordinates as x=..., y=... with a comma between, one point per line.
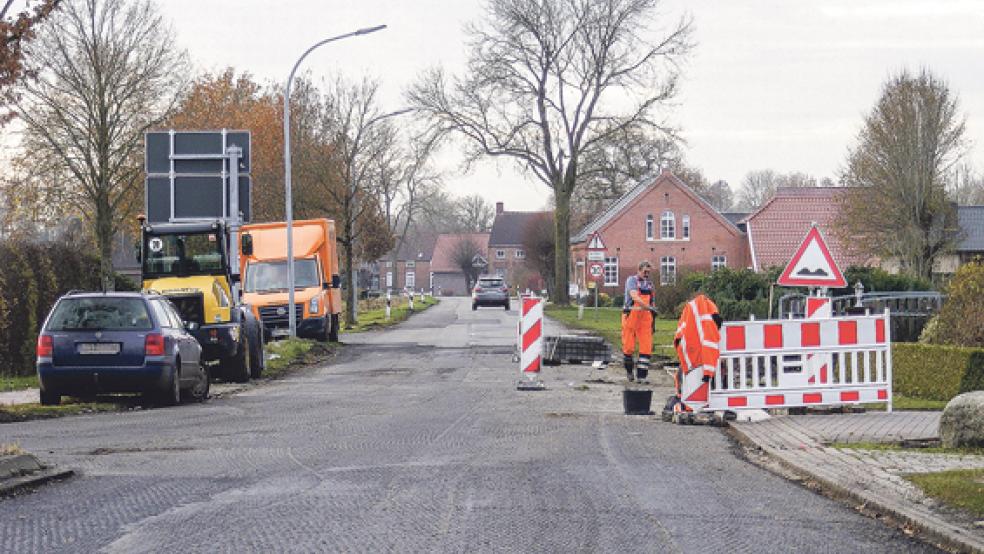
x=99, y=348
x=277, y=332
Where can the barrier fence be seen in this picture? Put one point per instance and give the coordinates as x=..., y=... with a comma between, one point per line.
x=790, y=363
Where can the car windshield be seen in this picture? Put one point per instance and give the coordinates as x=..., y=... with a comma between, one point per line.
x=181, y=255
x=490, y=283
x=272, y=276
x=101, y=312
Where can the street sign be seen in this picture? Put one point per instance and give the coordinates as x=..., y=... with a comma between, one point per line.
x=812, y=265
x=596, y=271
x=595, y=242
x=189, y=175
x=596, y=255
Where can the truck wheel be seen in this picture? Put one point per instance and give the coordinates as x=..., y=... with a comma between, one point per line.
x=256, y=360
x=333, y=332
x=237, y=367
x=50, y=398
x=199, y=392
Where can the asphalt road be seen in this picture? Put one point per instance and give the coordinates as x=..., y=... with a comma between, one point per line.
x=415, y=440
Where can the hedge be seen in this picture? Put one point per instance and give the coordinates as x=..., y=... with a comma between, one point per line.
x=935, y=372
x=32, y=277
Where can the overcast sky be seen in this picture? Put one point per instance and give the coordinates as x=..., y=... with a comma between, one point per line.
x=777, y=84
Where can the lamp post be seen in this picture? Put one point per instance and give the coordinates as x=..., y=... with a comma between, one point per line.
x=353, y=299
x=292, y=317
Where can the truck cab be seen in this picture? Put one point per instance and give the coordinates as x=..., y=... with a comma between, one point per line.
x=189, y=264
x=317, y=295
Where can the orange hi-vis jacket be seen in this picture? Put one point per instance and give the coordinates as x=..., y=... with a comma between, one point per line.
x=697, y=341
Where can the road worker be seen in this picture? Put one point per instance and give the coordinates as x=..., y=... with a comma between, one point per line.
x=697, y=340
x=638, y=322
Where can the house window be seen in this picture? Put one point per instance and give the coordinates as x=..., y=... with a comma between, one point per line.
x=500, y=254
x=411, y=263
x=667, y=270
x=686, y=227
x=389, y=279
x=717, y=262
x=650, y=227
x=500, y=272
x=611, y=272
x=667, y=226
x=389, y=263
x=411, y=279
x=520, y=254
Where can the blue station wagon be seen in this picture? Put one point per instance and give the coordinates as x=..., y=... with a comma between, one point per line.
x=119, y=342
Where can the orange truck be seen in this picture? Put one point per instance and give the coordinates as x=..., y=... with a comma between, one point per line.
x=317, y=291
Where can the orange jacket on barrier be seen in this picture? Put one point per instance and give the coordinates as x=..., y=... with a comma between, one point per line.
x=697, y=337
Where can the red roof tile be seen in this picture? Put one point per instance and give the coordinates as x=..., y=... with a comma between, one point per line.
x=778, y=227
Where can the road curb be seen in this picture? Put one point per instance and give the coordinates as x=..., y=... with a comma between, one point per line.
x=25, y=470
x=950, y=539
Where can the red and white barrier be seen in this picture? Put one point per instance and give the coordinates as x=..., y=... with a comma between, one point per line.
x=788, y=363
x=530, y=342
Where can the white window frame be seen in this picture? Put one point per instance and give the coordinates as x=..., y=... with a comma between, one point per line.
x=685, y=224
x=650, y=227
x=389, y=263
x=718, y=261
x=410, y=263
x=667, y=270
x=500, y=272
x=389, y=279
x=667, y=226
x=411, y=279
x=500, y=254
x=611, y=272
x=520, y=254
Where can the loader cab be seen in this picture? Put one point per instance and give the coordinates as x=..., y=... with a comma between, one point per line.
x=184, y=250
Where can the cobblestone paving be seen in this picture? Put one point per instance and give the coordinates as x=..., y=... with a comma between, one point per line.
x=402, y=447
x=876, y=475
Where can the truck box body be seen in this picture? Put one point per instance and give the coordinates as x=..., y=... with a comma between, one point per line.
x=317, y=296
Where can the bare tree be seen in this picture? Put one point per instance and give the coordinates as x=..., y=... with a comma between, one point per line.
x=965, y=186
x=349, y=136
x=539, y=247
x=551, y=81
x=464, y=253
x=720, y=195
x=474, y=213
x=760, y=185
x=106, y=71
x=911, y=139
x=15, y=33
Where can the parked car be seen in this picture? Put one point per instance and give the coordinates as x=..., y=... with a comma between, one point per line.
x=490, y=291
x=116, y=342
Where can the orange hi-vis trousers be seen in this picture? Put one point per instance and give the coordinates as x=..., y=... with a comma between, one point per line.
x=637, y=326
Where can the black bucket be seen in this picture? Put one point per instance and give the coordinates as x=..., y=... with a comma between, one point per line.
x=637, y=401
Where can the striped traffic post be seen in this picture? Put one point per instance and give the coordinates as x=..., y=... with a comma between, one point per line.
x=530, y=343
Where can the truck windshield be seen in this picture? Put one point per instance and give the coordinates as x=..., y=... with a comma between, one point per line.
x=182, y=255
x=272, y=276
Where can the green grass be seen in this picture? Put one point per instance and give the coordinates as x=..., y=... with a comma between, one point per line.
x=960, y=488
x=372, y=314
x=69, y=406
x=289, y=353
x=607, y=322
x=894, y=446
x=18, y=382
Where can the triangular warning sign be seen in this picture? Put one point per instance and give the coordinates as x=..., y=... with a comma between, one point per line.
x=595, y=243
x=812, y=265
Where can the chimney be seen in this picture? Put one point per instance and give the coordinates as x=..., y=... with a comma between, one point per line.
x=499, y=206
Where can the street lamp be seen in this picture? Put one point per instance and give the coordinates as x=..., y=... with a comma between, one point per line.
x=292, y=317
x=353, y=280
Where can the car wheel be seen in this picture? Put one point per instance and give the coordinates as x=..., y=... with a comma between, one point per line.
x=474, y=307
x=323, y=334
x=199, y=392
x=506, y=306
x=256, y=360
x=50, y=398
x=333, y=333
x=171, y=395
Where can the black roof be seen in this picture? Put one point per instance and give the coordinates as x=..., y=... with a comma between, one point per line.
x=509, y=227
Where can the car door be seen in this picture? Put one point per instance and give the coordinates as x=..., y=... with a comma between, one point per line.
x=172, y=337
x=188, y=345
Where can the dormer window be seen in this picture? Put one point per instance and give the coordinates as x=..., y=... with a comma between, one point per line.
x=667, y=226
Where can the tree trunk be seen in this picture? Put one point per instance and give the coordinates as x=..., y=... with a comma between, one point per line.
x=104, y=239
x=562, y=238
x=352, y=304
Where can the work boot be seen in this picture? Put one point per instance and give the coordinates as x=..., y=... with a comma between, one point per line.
x=627, y=362
x=642, y=368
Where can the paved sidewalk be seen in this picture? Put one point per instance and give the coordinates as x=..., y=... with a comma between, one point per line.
x=874, y=478
x=25, y=396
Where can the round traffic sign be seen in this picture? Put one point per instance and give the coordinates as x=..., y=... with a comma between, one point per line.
x=596, y=270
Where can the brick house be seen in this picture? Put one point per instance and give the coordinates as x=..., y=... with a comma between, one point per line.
x=413, y=265
x=776, y=229
x=446, y=277
x=661, y=220
x=506, y=254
